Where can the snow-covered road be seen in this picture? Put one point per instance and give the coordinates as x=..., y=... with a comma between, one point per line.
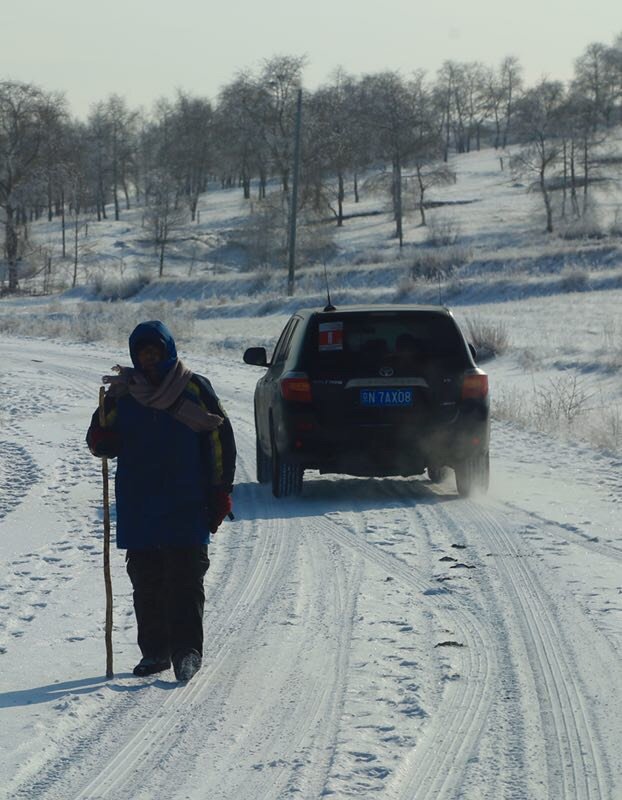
x=371, y=638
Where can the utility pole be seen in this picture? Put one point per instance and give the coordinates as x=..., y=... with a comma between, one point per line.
x=294, y=202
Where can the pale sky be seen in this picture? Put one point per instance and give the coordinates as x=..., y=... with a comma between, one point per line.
x=146, y=49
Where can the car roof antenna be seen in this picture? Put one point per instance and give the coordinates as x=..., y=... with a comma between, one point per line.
x=329, y=306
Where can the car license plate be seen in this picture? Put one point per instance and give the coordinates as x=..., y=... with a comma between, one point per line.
x=386, y=397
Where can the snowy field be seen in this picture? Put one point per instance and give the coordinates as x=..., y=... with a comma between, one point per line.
x=371, y=638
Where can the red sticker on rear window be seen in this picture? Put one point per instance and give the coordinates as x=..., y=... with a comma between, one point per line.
x=330, y=336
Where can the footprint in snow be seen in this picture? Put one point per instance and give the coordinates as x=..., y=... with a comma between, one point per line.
x=379, y=772
x=18, y=472
x=367, y=757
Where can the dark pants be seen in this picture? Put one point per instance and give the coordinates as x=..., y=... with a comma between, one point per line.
x=168, y=598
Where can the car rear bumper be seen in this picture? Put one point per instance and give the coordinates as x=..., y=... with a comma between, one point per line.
x=382, y=450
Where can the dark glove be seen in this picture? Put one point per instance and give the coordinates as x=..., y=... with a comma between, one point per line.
x=103, y=443
x=220, y=506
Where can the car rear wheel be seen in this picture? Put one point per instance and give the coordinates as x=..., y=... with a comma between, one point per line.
x=473, y=475
x=263, y=463
x=437, y=474
x=286, y=477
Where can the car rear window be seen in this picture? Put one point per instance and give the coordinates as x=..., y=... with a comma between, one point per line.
x=338, y=341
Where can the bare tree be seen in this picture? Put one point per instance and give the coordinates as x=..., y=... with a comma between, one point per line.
x=469, y=100
x=444, y=92
x=163, y=214
x=23, y=111
x=429, y=173
x=55, y=153
x=331, y=147
x=614, y=65
x=99, y=173
x=189, y=148
x=511, y=83
x=280, y=80
x=401, y=121
x=595, y=80
x=539, y=118
x=241, y=142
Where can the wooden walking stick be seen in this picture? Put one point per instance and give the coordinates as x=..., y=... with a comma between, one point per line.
x=107, y=577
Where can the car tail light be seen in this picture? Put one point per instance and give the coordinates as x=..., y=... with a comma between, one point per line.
x=296, y=387
x=474, y=386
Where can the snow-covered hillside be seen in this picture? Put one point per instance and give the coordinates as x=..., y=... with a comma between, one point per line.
x=372, y=638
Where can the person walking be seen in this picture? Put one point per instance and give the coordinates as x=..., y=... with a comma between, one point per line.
x=176, y=454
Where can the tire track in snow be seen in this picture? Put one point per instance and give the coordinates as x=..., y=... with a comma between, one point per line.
x=591, y=544
x=576, y=768
x=288, y=746
x=433, y=770
x=502, y=767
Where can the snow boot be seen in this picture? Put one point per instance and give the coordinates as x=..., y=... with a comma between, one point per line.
x=148, y=665
x=186, y=664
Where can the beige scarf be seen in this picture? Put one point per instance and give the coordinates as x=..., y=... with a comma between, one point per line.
x=166, y=396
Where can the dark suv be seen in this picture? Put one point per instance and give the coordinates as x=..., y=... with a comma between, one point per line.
x=371, y=390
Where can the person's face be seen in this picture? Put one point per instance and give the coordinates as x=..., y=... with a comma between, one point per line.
x=149, y=356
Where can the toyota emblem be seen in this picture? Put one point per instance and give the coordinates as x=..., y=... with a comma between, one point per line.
x=386, y=372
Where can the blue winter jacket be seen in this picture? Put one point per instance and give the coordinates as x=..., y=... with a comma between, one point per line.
x=166, y=473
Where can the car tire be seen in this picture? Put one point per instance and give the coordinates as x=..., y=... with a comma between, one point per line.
x=263, y=464
x=437, y=474
x=286, y=477
x=473, y=475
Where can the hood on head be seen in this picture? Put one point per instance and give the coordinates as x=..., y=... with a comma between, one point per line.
x=156, y=332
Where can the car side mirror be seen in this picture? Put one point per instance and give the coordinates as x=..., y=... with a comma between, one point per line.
x=256, y=356
x=473, y=350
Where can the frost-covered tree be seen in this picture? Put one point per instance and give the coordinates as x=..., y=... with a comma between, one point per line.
x=392, y=119
x=503, y=89
x=471, y=105
x=539, y=120
x=163, y=215
x=401, y=121
x=112, y=133
x=189, y=151
x=99, y=173
x=511, y=82
x=332, y=151
x=596, y=81
x=24, y=109
x=280, y=80
x=241, y=141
